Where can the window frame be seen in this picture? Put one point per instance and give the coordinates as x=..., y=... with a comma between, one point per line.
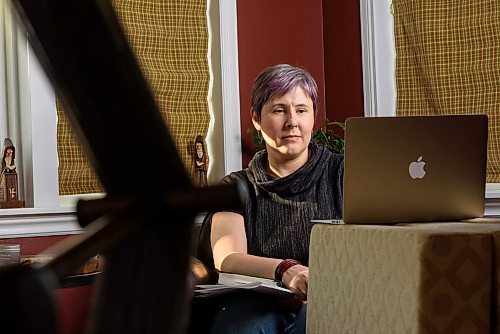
x=34, y=135
x=379, y=81
x=51, y=214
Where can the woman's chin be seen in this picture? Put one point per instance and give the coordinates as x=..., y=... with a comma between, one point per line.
x=292, y=152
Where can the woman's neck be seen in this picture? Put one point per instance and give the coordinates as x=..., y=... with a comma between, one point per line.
x=279, y=167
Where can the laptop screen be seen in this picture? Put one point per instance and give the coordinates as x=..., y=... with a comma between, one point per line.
x=418, y=168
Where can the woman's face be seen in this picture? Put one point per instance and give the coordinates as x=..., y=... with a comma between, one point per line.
x=286, y=124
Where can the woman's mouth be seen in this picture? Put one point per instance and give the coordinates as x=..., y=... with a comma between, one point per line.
x=290, y=137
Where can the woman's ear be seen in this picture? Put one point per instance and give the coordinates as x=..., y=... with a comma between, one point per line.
x=255, y=120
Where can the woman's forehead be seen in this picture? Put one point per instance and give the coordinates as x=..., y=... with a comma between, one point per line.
x=297, y=95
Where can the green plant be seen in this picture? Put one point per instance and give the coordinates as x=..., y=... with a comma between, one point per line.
x=329, y=138
x=258, y=141
x=325, y=136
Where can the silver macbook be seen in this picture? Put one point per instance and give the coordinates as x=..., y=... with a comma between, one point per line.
x=412, y=169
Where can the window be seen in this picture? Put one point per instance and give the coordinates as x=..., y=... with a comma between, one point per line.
x=34, y=129
x=25, y=88
x=379, y=73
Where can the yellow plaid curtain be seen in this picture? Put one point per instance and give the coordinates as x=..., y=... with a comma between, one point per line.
x=448, y=62
x=76, y=175
x=170, y=41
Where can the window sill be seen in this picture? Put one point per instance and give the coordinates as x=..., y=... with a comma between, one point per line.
x=492, y=203
x=36, y=222
x=492, y=207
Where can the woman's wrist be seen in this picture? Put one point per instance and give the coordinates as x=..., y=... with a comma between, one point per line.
x=283, y=266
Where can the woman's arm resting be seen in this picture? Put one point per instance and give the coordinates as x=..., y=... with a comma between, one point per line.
x=229, y=248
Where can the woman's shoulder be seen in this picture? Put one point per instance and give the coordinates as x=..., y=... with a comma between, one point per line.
x=235, y=176
x=330, y=157
x=338, y=159
x=335, y=156
x=330, y=164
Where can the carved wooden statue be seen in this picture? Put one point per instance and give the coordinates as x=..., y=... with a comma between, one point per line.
x=9, y=183
x=200, y=157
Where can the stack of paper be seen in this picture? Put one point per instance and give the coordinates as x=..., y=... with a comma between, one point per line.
x=234, y=282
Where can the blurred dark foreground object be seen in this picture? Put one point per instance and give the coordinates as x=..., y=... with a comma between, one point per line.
x=143, y=226
x=27, y=302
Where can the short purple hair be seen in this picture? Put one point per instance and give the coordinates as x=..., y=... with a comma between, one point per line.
x=277, y=80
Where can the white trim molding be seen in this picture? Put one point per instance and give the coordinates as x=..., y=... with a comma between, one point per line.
x=20, y=223
x=378, y=57
x=368, y=57
x=492, y=206
x=224, y=134
x=230, y=85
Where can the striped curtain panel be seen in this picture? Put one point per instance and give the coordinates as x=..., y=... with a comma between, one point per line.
x=170, y=41
x=448, y=62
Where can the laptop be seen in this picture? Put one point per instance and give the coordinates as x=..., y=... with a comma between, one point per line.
x=415, y=168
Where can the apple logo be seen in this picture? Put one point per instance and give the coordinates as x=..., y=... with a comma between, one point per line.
x=416, y=169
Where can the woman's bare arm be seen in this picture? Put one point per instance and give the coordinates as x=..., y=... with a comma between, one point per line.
x=229, y=248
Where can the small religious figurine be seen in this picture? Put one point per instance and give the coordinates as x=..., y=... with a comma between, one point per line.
x=9, y=156
x=200, y=162
x=8, y=178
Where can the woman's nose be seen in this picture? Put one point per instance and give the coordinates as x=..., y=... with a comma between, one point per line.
x=292, y=120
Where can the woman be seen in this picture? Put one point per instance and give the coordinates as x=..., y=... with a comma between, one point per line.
x=291, y=182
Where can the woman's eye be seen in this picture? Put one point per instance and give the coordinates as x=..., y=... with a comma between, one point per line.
x=301, y=110
x=279, y=110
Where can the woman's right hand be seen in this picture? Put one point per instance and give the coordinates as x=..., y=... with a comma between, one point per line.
x=296, y=279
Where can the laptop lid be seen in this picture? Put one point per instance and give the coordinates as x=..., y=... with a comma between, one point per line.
x=417, y=168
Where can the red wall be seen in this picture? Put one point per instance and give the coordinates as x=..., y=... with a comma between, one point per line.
x=273, y=32
x=343, y=66
x=33, y=246
x=321, y=35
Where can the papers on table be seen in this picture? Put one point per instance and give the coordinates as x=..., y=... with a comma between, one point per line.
x=234, y=282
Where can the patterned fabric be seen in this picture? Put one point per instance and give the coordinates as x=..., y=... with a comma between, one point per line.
x=76, y=175
x=170, y=41
x=425, y=278
x=448, y=62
